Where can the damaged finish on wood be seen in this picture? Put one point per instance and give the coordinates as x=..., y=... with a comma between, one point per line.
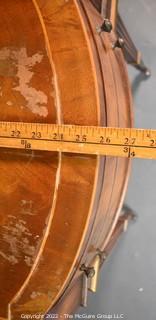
x=56, y=210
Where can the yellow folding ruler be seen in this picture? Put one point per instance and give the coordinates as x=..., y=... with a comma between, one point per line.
x=120, y=142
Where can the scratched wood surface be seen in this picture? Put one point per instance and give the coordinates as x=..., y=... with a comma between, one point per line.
x=56, y=210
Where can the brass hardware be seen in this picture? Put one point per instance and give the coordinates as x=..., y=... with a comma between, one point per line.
x=119, y=43
x=139, y=64
x=90, y=277
x=84, y=291
x=94, y=279
x=105, y=27
x=128, y=214
x=125, y=225
x=139, y=57
x=88, y=272
x=103, y=255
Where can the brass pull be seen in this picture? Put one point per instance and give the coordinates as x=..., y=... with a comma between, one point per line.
x=94, y=279
x=90, y=278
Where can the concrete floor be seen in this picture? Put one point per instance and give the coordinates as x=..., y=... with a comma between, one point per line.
x=128, y=280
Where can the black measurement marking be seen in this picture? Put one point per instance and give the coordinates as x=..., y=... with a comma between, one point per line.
x=61, y=136
x=26, y=144
x=36, y=135
x=81, y=138
x=15, y=134
x=152, y=142
x=84, y=138
x=77, y=138
x=133, y=154
x=54, y=136
x=26, y=141
x=131, y=141
x=126, y=149
x=104, y=140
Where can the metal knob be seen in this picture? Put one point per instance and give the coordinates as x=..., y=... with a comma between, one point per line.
x=89, y=271
x=119, y=43
x=105, y=27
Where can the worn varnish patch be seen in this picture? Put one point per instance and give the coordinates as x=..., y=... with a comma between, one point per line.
x=20, y=242
x=16, y=63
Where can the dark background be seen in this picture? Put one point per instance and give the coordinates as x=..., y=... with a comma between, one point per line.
x=127, y=283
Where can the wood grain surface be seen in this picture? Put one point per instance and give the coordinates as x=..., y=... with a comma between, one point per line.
x=56, y=210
